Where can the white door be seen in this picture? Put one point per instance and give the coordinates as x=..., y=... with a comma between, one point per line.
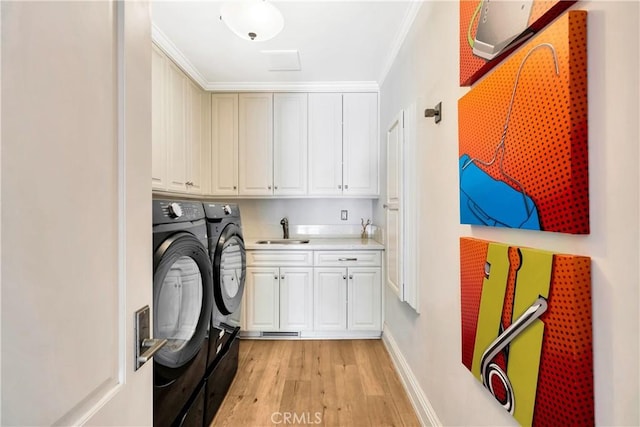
x=329, y=299
x=76, y=133
x=325, y=144
x=290, y=144
x=255, y=139
x=262, y=295
x=393, y=249
x=365, y=299
x=296, y=299
x=360, y=144
x=224, y=144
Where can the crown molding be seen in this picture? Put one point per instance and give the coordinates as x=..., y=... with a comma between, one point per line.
x=358, y=86
x=407, y=22
x=167, y=46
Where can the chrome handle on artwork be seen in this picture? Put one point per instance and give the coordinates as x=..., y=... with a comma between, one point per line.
x=490, y=370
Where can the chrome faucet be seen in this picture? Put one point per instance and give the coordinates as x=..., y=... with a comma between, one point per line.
x=285, y=227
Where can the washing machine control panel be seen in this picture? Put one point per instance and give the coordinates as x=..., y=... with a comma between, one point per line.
x=175, y=210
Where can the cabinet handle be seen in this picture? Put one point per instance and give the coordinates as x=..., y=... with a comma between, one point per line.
x=351, y=277
x=275, y=188
x=347, y=259
x=282, y=277
x=339, y=187
x=346, y=187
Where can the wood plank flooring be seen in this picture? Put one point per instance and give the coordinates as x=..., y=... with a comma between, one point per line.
x=324, y=383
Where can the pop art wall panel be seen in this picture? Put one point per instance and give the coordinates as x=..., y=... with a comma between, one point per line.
x=491, y=29
x=523, y=160
x=526, y=330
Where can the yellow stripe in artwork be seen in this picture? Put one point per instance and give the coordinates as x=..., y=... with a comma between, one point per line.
x=532, y=281
x=491, y=302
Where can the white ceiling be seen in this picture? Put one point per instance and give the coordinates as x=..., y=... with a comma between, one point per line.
x=343, y=45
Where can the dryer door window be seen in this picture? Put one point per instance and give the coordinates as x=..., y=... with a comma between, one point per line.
x=229, y=266
x=182, y=300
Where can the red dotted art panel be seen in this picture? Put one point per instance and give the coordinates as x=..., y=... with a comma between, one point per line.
x=472, y=67
x=564, y=391
x=534, y=138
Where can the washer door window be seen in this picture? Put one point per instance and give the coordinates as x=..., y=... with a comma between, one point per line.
x=182, y=301
x=229, y=266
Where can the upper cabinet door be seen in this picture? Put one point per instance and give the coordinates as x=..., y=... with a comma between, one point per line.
x=158, y=118
x=195, y=137
x=177, y=129
x=360, y=144
x=325, y=144
x=224, y=144
x=255, y=151
x=290, y=144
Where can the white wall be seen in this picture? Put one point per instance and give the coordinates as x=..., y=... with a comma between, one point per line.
x=261, y=217
x=426, y=71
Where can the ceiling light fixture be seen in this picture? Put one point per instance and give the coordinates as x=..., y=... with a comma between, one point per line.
x=256, y=20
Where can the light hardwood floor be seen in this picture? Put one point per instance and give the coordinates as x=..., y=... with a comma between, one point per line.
x=325, y=383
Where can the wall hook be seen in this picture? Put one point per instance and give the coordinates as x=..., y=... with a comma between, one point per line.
x=434, y=112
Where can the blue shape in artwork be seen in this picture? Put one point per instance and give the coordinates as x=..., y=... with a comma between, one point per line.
x=485, y=200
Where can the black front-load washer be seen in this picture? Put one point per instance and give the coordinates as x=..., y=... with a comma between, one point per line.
x=228, y=259
x=182, y=300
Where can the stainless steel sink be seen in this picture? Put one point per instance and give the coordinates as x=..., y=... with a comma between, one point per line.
x=282, y=242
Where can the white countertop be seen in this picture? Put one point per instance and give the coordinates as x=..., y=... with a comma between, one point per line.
x=316, y=244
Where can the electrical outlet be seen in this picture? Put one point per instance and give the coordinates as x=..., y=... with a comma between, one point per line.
x=344, y=215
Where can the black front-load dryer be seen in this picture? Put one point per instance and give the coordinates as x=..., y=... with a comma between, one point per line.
x=228, y=259
x=183, y=300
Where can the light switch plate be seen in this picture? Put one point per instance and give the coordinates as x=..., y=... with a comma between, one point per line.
x=344, y=215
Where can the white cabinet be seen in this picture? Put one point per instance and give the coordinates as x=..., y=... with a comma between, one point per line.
x=325, y=144
x=347, y=299
x=343, y=144
x=278, y=297
x=290, y=144
x=176, y=129
x=158, y=119
x=181, y=128
x=224, y=144
x=255, y=140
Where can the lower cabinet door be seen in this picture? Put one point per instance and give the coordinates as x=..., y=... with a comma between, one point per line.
x=262, y=294
x=330, y=299
x=365, y=299
x=296, y=299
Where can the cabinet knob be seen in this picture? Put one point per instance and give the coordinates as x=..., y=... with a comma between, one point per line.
x=344, y=277
x=339, y=187
x=351, y=277
x=282, y=277
x=346, y=187
x=235, y=188
x=276, y=187
x=268, y=187
x=275, y=277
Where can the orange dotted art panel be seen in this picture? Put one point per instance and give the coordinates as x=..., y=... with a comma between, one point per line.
x=530, y=344
x=523, y=135
x=491, y=29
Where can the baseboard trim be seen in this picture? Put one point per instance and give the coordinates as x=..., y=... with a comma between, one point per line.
x=421, y=404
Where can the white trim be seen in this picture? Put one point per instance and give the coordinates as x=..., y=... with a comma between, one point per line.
x=167, y=46
x=355, y=86
x=421, y=404
x=407, y=22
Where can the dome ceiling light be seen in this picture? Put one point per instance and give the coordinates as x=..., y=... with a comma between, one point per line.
x=256, y=20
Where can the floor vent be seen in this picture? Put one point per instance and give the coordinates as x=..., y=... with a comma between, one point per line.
x=279, y=334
